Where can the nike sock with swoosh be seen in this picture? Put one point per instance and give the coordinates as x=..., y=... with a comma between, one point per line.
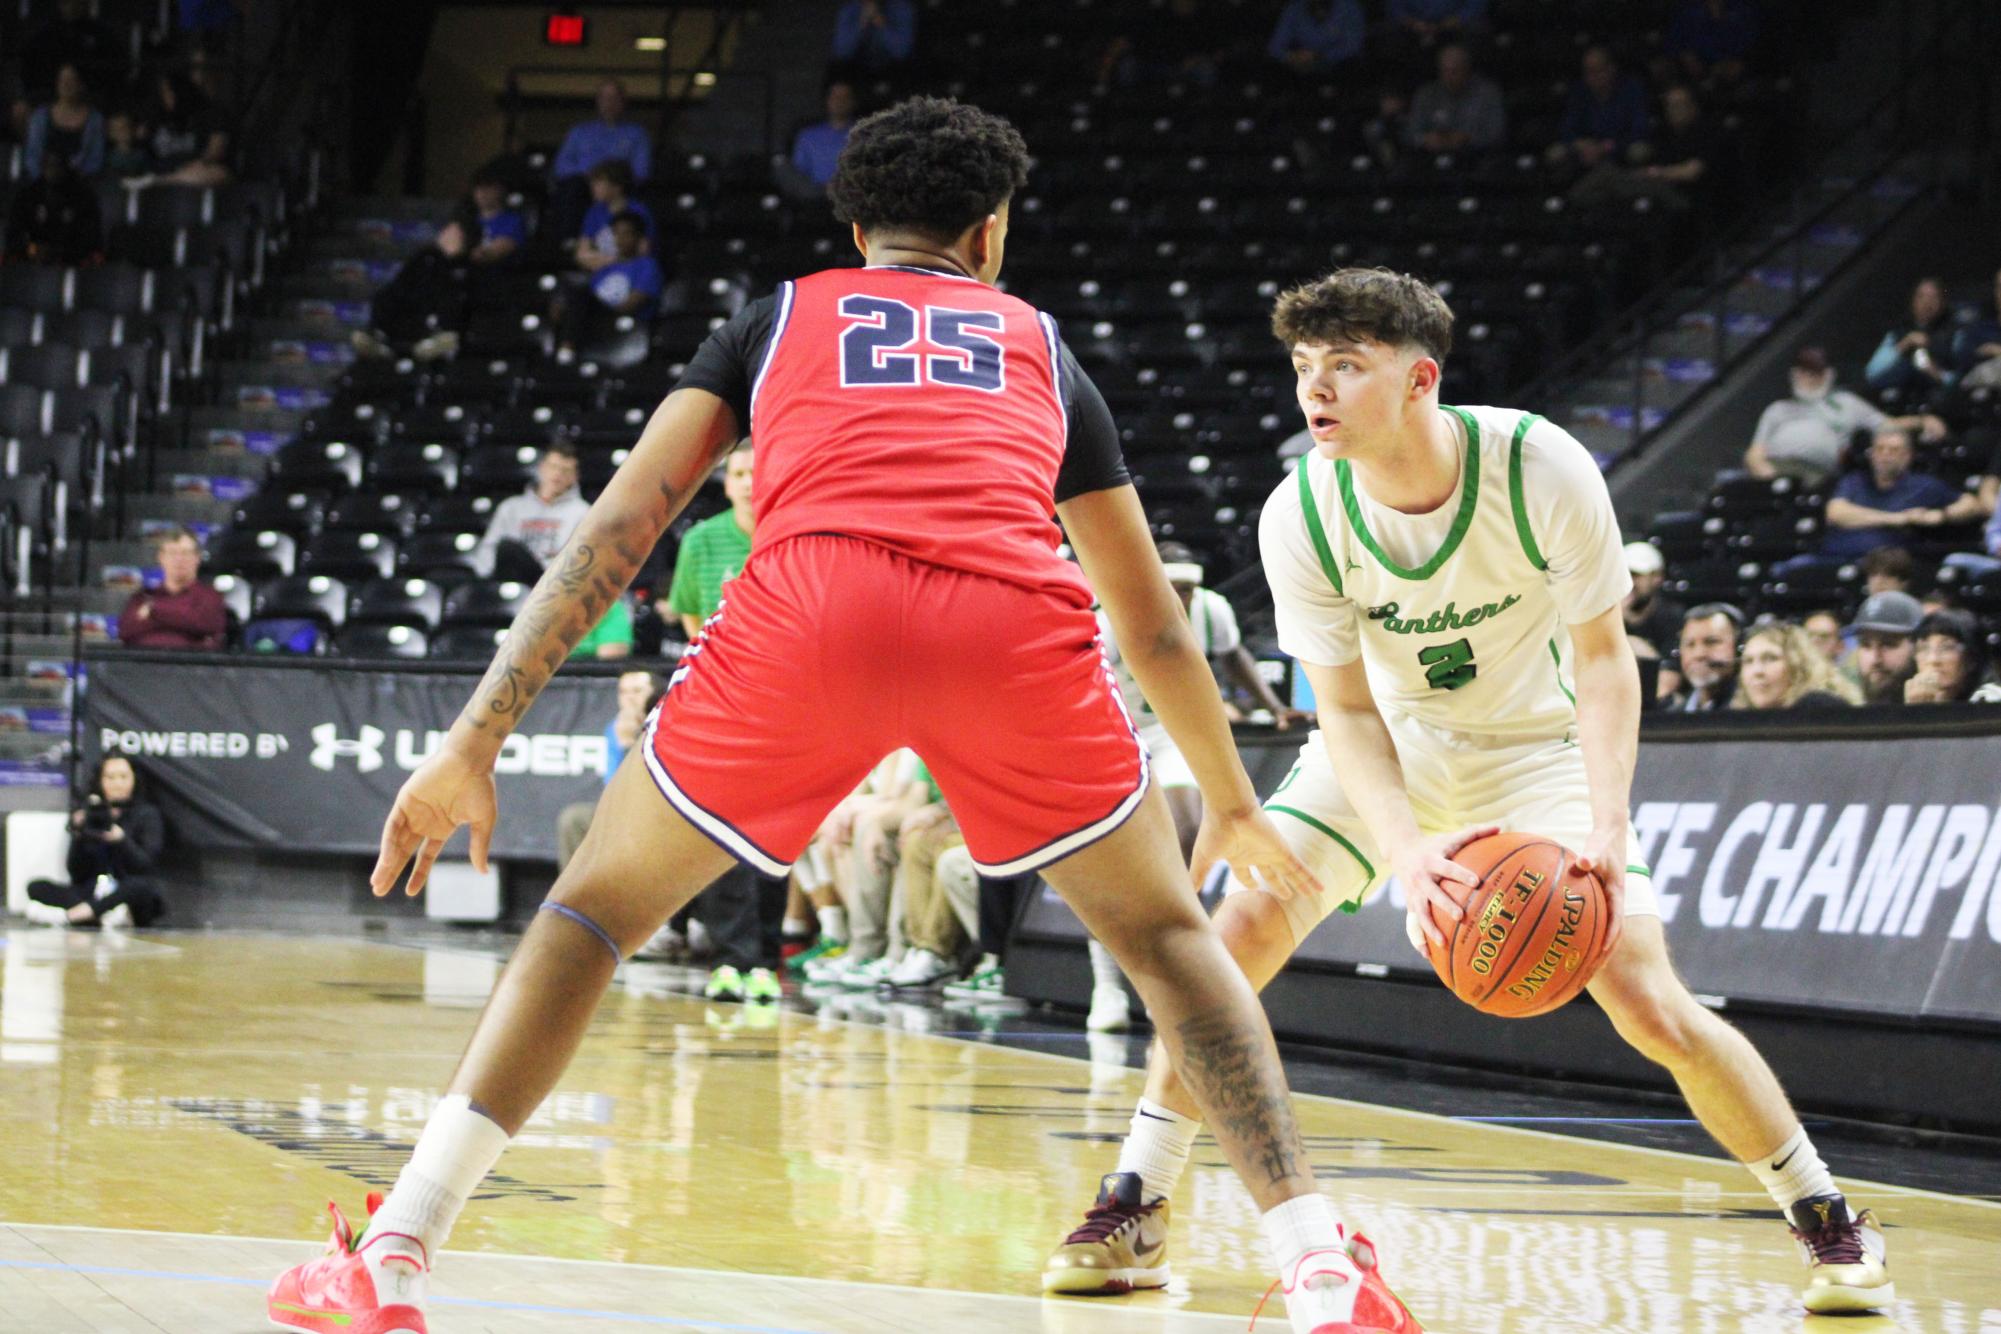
x=1157, y=1147
x=1794, y=1172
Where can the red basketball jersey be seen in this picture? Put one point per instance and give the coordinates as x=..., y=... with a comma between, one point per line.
x=918, y=410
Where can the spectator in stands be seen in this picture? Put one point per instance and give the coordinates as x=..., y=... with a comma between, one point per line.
x=714, y=550
x=424, y=306
x=1215, y=623
x=125, y=154
x=874, y=36
x=939, y=901
x=72, y=38
x=55, y=218
x=68, y=127
x=611, y=638
x=1711, y=41
x=528, y=530
x=183, y=612
x=1823, y=627
x=116, y=837
x=1804, y=436
x=638, y=692
x=611, y=194
x=1708, y=667
x=1682, y=156
x=1313, y=36
x=1988, y=560
x=1868, y=509
x=1650, y=618
x=1976, y=348
x=1188, y=41
x=502, y=230
x=609, y=136
x=1885, y=651
x=1781, y=669
x=1889, y=570
x=1915, y=356
x=1457, y=111
x=1951, y=662
x=1605, y=115
x=628, y=286
x=189, y=142
x=816, y=148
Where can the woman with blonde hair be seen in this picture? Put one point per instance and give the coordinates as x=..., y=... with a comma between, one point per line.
x=1781, y=668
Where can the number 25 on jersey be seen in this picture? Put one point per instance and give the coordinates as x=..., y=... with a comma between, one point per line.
x=877, y=349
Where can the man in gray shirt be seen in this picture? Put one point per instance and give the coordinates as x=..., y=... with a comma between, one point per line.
x=1802, y=436
x=528, y=530
x=1459, y=110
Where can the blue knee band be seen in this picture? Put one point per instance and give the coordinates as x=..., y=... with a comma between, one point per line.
x=587, y=924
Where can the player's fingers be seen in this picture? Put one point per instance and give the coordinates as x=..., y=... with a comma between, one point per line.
x=1297, y=873
x=1453, y=873
x=1472, y=834
x=482, y=839
x=397, y=840
x=420, y=874
x=1428, y=928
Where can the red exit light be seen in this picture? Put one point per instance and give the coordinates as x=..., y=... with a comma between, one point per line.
x=564, y=30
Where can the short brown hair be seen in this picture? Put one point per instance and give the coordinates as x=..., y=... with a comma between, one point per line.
x=175, y=533
x=1365, y=306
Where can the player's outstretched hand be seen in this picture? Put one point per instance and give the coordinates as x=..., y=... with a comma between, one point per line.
x=1435, y=886
x=447, y=791
x=1604, y=856
x=1251, y=844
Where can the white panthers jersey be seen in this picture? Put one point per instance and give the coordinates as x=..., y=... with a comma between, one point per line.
x=1215, y=626
x=1458, y=615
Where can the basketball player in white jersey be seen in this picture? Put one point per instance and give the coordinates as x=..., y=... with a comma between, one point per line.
x=1450, y=579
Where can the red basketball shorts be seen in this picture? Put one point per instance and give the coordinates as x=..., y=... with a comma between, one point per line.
x=830, y=652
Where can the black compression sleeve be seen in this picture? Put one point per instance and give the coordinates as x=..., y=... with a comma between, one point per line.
x=1092, y=459
x=726, y=363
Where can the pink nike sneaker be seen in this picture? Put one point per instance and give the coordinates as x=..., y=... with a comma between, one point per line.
x=1342, y=1292
x=377, y=1288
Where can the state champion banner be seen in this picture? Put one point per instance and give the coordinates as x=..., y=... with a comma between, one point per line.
x=1844, y=874
x=255, y=755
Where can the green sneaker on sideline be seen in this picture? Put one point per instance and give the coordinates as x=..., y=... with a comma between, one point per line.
x=725, y=984
x=824, y=948
x=760, y=987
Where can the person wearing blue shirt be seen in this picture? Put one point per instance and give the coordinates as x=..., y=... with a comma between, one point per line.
x=817, y=148
x=611, y=189
x=592, y=141
x=502, y=231
x=638, y=692
x=1868, y=509
x=875, y=34
x=69, y=126
x=631, y=284
x=1316, y=35
x=1606, y=114
x=1713, y=38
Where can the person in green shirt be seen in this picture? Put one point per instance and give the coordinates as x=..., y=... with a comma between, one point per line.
x=611, y=637
x=714, y=550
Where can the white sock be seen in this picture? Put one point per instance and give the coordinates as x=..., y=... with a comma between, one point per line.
x=1303, y=1223
x=1104, y=968
x=796, y=926
x=458, y=1148
x=833, y=922
x=1794, y=1172
x=1157, y=1147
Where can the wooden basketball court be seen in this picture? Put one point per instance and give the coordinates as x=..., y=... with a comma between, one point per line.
x=176, y=1110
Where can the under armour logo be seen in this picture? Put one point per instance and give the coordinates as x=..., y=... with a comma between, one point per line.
x=328, y=747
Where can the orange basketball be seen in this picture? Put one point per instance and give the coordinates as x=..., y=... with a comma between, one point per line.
x=1533, y=931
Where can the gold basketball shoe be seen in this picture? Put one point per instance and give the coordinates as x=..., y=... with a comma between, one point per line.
x=1121, y=1246
x=1845, y=1256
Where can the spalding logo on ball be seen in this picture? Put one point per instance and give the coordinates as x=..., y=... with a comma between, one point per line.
x=1534, y=931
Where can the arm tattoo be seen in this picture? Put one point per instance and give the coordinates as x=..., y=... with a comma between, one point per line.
x=587, y=576
x=1244, y=1093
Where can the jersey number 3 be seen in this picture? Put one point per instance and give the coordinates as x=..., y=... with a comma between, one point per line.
x=874, y=348
x=1448, y=666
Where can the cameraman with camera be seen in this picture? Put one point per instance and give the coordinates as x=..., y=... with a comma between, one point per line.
x=115, y=842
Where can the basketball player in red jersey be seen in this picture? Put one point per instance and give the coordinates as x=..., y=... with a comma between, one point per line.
x=915, y=427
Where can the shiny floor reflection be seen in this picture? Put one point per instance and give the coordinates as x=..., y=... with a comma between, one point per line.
x=175, y=1108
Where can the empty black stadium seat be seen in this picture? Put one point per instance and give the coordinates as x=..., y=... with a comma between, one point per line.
x=351, y=555
x=486, y=602
x=406, y=601
x=48, y=366
x=383, y=641
x=120, y=289
x=85, y=328
x=35, y=286
x=237, y=598
x=114, y=409
x=443, y=556
x=431, y=467
x=256, y=554
x=313, y=597
x=297, y=514
x=23, y=410
x=459, y=511
x=332, y=465
x=467, y=643
x=498, y=470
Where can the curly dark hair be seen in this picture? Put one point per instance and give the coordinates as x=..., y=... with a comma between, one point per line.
x=928, y=165
x=1365, y=306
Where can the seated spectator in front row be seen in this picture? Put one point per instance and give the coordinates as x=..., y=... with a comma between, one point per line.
x=1605, y=117
x=424, y=306
x=1951, y=662
x=1457, y=111
x=611, y=195
x=189, y=142
x=629, y=285
x=502, y=231
x=1824, y=629
x=1885, y=654
x=527, y=530
x=183, y=612
x=1650, y=618
x=55, y=219
x=638, y=692
x=1782, y=669
x=1681, y=160
x=1313, y=36
x=1803, y=436
x=1708, y=665
x=1915, y=356
x=125, y=153
x=1888, y=570
x=115, y=841
x=1868, y=509
x=69, y=127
